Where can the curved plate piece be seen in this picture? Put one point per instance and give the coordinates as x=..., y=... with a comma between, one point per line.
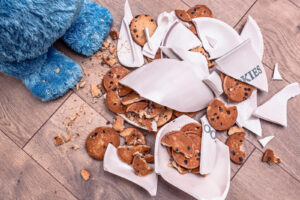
x=114, y=165
x=252, y=31
x=172, y=83
x=217, y=37
x=129, y=53
x=213, y=186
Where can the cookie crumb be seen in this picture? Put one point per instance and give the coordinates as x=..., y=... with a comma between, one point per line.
x=114, y=34
x=112, y=49
x=106, y=44
x=118, y=123
x=67, y=138
x=270, y=157
x=95, y=91
x=74, y=147
x=109, y=60
x=82, y=84
x=85, y=174
x=58, y=141
x=235, y=129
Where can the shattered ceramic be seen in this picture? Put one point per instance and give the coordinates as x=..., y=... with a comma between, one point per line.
x=264, y=141
x=215, y=83
x=129, y=53
x=252, y=31
x=172, y=83
x=164, y=22
x=114, y=165
x=276, y=74
x=217, y=37
x=275, y=109
x=179, y=36
x=242, y=63
x=213, y=186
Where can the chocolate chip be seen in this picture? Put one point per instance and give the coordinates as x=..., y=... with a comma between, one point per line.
x=151, y=20
x=118, y=76
x=111, y=82
x=241, y=140
x=115, y=104
x=180, y=15
x=237, y=83
x=94, y=135
x=269, y=158
x=137, y=16
x=188, y=147
x=103, y=131
x=246, y=89
x=137, y=36
x=220, y=109
x=134, y=30
x=244, y=98
x=212, y=119
x=193, y=13
x=215, y=114
x=185, y=161
x=146, y=15
x=233, y=153
x=218, y=117
x=198, y=158
x=104, y=146
x=246, y=94
x=195, y=9
x=221, y=124
x=240, y=159
x=114, y=89
x=198, y=154
x=108, y=122
x=197, y=127
x=228, y=112
x=176, y=149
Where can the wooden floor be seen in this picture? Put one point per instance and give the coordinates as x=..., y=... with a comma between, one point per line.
x=31, y=167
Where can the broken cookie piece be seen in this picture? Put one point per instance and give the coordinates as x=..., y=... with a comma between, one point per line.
x=125, y=153
x=140, y=166
x=195, y=127
x=235, y=142
x=58, y=140
x=235, y=129
x=133, y=136
x=118, y=124
x=270, y=157
x=85, y=174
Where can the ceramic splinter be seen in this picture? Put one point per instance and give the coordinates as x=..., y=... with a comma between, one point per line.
x=264, y=141
x=275, y=109
x=276, y=74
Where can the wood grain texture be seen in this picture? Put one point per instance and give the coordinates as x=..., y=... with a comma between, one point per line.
x=229, y=11
x=65, y=164
x=280, y=26
x=21, y=114
x=296, y=2
x=258, y=180
x=22, y=178
x=286, y=141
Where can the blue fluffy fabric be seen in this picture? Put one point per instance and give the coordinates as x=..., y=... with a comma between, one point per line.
x=50, y=83
x=90, y=28
x=28, y=28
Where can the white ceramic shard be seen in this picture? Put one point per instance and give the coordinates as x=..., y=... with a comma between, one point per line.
x=167, y=52
x=215, y=83
x=275, y=109
x=213, y=186
x=154, y=125
x=208, y=147
x=276, y=74
x=242, y=63
x=129, y=53
x=252, y=31
x=164, y=22
x=220, y=37
x=172, y=83
x=173, y=14
x=179, y=36
x=114, y=165
x=264, y=141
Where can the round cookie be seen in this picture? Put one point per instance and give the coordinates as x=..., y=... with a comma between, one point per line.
x=234, y=142
x=137, y=26
x=98, y=140
x=183, y=15
x=199, y=11
x=112, y=77
x=235, y=90
x=113, y=102
x=195, y=127
x=194, y=161
x=219, y=116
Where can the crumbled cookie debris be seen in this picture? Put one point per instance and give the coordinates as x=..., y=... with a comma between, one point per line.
x=118, y=123
x=270, y=157
x=112, y=49
x=58, y=141
x=95, y=91
x=67, y=138
x=57, y=70
x=74, y=147
x=82, y=84
x=106, y=44
x=109, y=60
x=114, y=34
x=85, y=174
x=235, y=129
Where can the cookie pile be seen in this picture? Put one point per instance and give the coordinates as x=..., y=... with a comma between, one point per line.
x=136, y=152
x=184, y=148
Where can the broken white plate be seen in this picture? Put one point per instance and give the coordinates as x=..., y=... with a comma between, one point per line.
x=179, y=36
x=176, y=18
x=208, y=147
x=220, y=37
x=215, y=83
x=129, y=53
x=242, y=63
x=114, y=165
x=275, y=109
x=276, y=74
x=213, y=186
x=264, y=141
x=252, y=31
x=164, y=22
x=172, y=83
